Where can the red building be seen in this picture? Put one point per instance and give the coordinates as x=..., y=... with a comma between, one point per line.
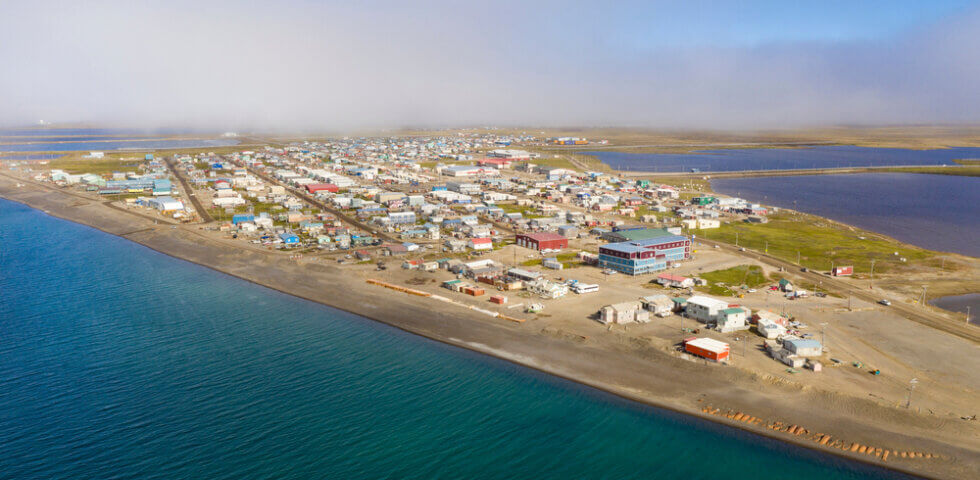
x=495, y=162
x=707, y=348
x=542, y=241
x=317, y=187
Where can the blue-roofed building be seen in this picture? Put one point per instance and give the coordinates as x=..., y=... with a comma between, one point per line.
x=289, y=238
x=162, y=186
x=645, y=256
x=242, y=218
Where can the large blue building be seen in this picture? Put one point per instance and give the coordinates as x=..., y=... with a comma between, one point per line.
x=637, y=257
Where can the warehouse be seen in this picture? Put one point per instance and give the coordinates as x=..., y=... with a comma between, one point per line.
x=707, y=348
x=165, y=204
x=542, y=242
x=322, y=187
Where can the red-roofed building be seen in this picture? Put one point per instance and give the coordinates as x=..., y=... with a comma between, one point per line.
x=542, y=242
x=481, y=244
x=318, y=187
x=495, y=162
x=677, y=281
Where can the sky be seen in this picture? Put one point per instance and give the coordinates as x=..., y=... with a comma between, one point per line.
x=323, y=65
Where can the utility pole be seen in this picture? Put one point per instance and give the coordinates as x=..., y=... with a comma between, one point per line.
x=736, y=239
x=823, y=328
x=767, y=247
x=967, y=314
x=798, y=257
x=872, y=274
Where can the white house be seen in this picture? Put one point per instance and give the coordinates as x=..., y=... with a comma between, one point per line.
x=659, y=305
x=732, y=319
x=626, y=312
x=770, y=329
x=704, y=223
x=676, y=281
x=480, y=244
x=704, y=309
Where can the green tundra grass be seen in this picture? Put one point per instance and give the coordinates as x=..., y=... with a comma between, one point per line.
x=820, y=244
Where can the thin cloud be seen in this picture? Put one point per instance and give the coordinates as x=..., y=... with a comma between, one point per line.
x=311, y=66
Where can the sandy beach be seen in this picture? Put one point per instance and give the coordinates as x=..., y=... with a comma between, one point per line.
x=837, y=421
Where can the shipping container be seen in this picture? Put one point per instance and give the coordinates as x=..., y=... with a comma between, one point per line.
x=498, y=299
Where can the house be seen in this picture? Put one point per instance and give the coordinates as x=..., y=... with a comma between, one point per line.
x=785, y=285
x=626, y=312
x=705, y=223
x=542, y=242
x=770, y=329
x=521, y=274
x=674, y=281
x=289, y=239
x=769, y=316
x=803, y=347
x=394, y=249
x=731, y=319
x=454, y=245
x=783, y=355
x=659, y=305
x=704, y=309
x=547, y=289
x=708, y=348
x=479, y=244
x=552, y=263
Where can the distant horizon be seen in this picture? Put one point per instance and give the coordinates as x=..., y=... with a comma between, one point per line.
x=546, y=128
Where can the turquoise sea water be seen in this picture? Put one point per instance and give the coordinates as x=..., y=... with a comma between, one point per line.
x=117, y=362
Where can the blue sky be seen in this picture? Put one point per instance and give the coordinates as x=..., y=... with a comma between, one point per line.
x=306, y=64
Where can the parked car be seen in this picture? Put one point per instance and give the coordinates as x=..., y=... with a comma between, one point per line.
x=885, y=302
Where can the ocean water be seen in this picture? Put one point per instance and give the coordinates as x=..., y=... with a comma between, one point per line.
x=31, y=156
x=938, y=212
x=117, y=362
x=960, y=303
x=733, y=160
